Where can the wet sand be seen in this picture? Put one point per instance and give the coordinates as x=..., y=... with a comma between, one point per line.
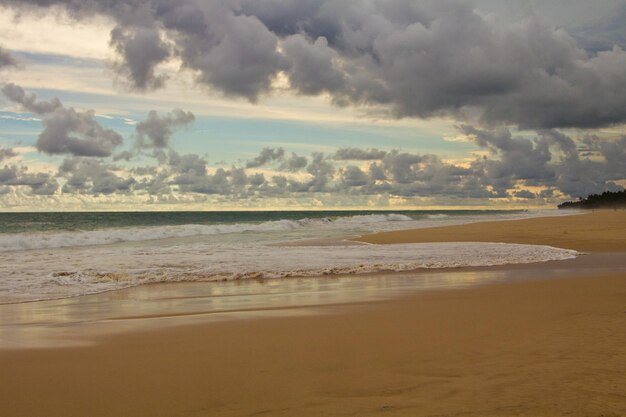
x=552, y=345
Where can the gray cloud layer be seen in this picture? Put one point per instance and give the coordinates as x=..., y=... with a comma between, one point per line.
x=412, y=59
x=91, y=176
x=547, y=165
x=39, y=183
x=552, y=160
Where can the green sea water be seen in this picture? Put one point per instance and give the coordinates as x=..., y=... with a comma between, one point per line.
x=85, y=221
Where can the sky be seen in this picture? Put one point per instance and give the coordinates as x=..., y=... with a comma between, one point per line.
x=310, y=104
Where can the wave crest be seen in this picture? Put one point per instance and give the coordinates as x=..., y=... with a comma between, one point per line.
x=44, y=240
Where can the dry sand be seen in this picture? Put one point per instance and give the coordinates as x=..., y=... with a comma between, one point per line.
x=598, y=231
x=531, y=348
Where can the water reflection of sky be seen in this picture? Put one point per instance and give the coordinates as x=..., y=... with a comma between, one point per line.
x=81, y=320
x=76, y=320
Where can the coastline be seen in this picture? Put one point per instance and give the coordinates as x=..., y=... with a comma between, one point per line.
x=537, y=347
x=598, y=231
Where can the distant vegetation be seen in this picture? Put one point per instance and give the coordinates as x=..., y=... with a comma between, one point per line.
x=607, y=199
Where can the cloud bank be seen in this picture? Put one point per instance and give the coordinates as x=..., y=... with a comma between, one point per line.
x=550, y=163
x=396, y=57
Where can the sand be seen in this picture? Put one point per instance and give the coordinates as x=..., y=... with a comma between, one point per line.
x=598, y=231
x=544, y=347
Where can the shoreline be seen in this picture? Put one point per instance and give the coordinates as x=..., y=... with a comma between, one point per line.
x=598, y=231
x=546, y=341
x=145, y=307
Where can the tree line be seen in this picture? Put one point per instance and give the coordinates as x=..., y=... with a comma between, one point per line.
x=607, y=199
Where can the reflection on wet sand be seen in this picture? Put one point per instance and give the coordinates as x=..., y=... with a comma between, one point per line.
x=77, y=320
x=81, y=320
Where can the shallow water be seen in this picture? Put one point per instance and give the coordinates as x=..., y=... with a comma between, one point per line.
x=76, y=321
x=82, y=320
x=42, y=263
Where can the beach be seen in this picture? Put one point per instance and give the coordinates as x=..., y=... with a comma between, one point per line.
x=548, y=342
x=599, y=231
x=312, y=208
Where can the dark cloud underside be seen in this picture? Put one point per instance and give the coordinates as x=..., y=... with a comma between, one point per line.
x=408, y=58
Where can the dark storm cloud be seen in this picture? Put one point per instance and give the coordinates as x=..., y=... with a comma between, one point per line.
x=405, y=58
x=6, y=59
x=141, y=50
x=429, y=58
x=240, y=59
x=156, y=131
x=603, y=33
x=314, y=67
x=66, y=131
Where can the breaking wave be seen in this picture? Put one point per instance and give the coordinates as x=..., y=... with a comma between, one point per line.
x=43, y=240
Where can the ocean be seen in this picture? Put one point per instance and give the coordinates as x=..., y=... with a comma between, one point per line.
x=59, y=255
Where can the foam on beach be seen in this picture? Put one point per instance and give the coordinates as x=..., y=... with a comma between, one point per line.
x=48, y=274
x=57, y=264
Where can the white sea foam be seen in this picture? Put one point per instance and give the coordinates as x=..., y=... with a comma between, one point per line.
x=66, y=272
x=64, y=264
x=437, y=216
